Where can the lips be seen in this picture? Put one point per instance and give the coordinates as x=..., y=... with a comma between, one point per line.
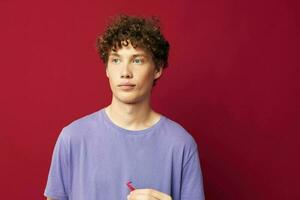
x=126, y=84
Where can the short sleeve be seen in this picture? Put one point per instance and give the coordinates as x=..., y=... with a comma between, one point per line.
x=192, y=182
x=59, y=173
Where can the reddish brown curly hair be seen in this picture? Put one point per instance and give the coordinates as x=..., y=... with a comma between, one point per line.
x=141, y=32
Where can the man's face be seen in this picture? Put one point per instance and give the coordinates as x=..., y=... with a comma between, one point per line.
x=133, y=66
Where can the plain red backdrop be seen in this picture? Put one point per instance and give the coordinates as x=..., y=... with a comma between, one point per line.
x=233, y=83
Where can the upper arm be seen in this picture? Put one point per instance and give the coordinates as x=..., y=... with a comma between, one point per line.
x=57, y=186
x=192, y=185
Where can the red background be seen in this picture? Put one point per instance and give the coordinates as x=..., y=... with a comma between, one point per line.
x=232, y=83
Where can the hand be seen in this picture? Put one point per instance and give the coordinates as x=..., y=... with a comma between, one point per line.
x=148, y=194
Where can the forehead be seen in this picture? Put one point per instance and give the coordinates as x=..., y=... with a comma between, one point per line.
x=129, y=50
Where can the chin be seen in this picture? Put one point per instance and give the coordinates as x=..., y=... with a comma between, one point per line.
x=127, y=99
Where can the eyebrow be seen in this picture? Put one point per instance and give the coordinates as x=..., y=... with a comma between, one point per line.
x=134, y=55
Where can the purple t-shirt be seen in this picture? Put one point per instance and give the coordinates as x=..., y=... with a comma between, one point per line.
x=94, y=158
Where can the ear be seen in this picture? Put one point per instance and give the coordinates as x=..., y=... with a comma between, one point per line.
x=106, y=71
x=158, y=72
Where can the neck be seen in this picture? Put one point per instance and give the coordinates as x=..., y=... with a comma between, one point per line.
x=132, y=116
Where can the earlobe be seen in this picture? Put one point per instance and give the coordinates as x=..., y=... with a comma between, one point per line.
x=158, y=73
x=107, y=73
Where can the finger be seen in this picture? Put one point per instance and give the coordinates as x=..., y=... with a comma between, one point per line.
x=140, y=196
x=151, y=192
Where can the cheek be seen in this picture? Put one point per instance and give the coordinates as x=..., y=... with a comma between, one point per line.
x=111, y=81
x=111, y=75
x=147, y=80
x=150, y=75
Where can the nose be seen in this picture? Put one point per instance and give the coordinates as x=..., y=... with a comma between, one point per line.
x=126, y=72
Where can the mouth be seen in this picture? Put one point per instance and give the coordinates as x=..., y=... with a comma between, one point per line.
x=127, y=86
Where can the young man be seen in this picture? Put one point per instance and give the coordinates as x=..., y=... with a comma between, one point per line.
x=97, y=155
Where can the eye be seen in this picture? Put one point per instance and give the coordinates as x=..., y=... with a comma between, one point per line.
x=138, y=61
x=115, y=60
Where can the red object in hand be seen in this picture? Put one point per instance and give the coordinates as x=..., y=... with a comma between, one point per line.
x=131, y=188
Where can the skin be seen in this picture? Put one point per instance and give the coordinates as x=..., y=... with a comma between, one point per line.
x=147, y=194
x=131, y=109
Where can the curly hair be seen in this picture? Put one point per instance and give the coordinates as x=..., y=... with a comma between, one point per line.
x=141, y=32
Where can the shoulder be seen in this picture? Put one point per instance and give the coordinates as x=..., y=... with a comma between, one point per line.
x=80, y=126
x=178, y=135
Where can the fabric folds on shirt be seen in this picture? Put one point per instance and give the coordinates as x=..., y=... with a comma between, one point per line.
x=94, y=158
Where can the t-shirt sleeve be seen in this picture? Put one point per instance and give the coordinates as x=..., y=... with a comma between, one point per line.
x=192, y=183
x=59, y=173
